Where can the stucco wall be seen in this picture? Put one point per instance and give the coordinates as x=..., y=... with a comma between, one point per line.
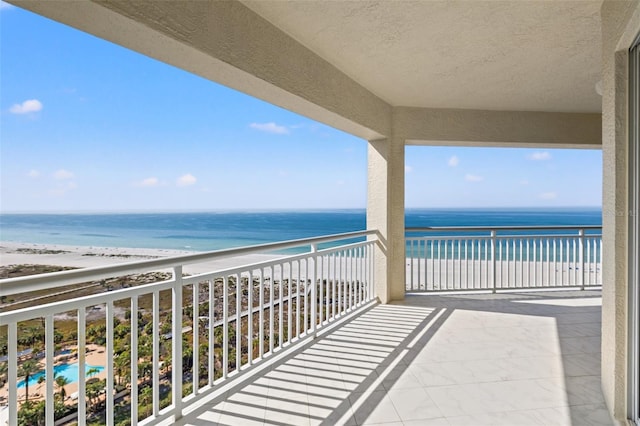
x=497, y=128
x=620, y=20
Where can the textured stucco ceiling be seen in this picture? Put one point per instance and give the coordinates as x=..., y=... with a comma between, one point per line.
x=513, y=55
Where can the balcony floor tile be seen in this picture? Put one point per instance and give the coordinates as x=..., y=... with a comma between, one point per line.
x=436, y=360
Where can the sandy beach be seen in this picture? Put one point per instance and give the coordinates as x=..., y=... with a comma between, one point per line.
x=84, y=257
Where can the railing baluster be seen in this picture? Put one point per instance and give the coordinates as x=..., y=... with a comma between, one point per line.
x=109, y=367
x=305, y=329
x=289, y=307
x=261, y=321
x=49, y=379
x=298, y=300
x=156, y=353
x=320, y=269
x=225, y=326
x=82, y=361
x=459, y=264
x=176, y=356
x=411, y=256
x=548, y=257
x=493, y=259
x=280, y=307
x=133, y=360
x=195, y=369
x=339, y=301
x=581, y=257
x=473, y=264
x=420, y=261
x=271, y=310
x=212, y=342
x=575, y=262
x=12, y=371
x=446, y=263
x=250, y=318
x=351, y=279
x=535, y=265
x=333, y=286
x=238, y=278
x=314, y=295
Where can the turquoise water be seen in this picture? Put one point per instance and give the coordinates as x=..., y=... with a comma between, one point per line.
x=69, y=371
x=214, y=230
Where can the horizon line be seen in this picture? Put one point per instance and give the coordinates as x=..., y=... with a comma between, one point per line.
x=284, y=210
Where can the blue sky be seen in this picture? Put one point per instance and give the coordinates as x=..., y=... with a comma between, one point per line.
x=89, y=126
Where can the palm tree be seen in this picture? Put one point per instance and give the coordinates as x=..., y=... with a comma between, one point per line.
x=94, y=388
x=61, y=382
x=92, y=372
x=123, y=366
x=28, y=369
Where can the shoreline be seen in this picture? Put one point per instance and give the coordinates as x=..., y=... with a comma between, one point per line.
x=14, y=253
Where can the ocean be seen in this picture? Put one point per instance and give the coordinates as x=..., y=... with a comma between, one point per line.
x=203, y=231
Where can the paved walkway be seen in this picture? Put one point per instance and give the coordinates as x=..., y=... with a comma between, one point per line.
x=506, y=359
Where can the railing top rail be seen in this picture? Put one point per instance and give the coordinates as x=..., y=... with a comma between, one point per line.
x=498, y=228
x=57, y=279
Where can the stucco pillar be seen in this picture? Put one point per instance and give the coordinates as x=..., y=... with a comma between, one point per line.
x=385, y=212
x=620, y=24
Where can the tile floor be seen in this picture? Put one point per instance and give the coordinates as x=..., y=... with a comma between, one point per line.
x=506, y=359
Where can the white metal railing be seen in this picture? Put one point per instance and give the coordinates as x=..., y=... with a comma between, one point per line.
x=497, y=258
x=221, y=323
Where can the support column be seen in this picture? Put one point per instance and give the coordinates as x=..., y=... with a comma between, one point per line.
x=385, y=212
x=620, y=26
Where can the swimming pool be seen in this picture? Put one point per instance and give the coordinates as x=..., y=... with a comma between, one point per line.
x=69, y=371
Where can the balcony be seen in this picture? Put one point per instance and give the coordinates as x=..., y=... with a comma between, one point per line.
x=506, y=359
x=301, y=339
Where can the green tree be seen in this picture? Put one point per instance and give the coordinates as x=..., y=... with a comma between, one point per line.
x=61, y=382
x=122, y=364
x=3, y=373
x=92, y=372
x=31, y=413
x=146, y=401
x=94, y=388
x=28, y=369
x=4, y=341
x=145, y=368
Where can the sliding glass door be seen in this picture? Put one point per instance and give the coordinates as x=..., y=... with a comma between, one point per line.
x=634, y=232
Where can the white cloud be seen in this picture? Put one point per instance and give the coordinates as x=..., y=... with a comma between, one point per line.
x=63, y=174
x=33, y=173
x=540, y=156
x=549, y=195
x=473, y=178
x=31, y=105
x=148, y=182
x=186, y=180
x=4, y=5
x=453, y=161
x=270, y=128
x=408, y=169
x=524, y=182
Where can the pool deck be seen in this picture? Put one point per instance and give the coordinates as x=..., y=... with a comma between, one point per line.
x=95, y=356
